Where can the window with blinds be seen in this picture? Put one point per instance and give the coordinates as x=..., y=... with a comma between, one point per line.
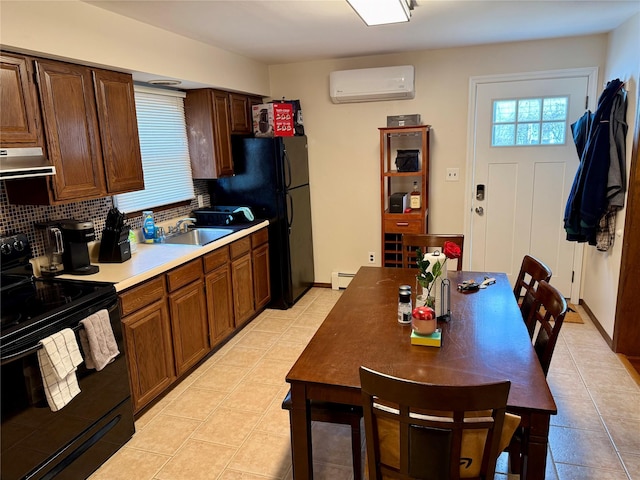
x=165, y=152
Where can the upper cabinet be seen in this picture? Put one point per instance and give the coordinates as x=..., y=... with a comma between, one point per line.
x=91, y=134
x=212, y=116
x=71, y=126
x=20, y=120
x=118, y=131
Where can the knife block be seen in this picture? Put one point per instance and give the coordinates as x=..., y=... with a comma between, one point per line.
x=115, y=246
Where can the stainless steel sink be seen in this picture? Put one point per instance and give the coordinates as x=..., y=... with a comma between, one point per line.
x=198, y=236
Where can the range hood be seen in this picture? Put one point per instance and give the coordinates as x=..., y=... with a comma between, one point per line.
x=23, y=163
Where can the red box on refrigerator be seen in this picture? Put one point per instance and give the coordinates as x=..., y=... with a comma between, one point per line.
x=273, y=120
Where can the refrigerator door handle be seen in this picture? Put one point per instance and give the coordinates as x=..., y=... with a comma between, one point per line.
x=287, y=162
x=289, y=201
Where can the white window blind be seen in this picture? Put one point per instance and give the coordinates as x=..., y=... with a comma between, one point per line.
x=165, y=152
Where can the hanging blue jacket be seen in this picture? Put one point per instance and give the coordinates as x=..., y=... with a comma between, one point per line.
x=587, y=200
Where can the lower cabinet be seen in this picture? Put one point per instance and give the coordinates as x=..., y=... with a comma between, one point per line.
x=173, y=320
x=260, y=264
x=242, y=280
x=219, y=294
x=147, y=335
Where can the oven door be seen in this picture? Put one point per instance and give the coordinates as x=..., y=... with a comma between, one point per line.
x=74, y=441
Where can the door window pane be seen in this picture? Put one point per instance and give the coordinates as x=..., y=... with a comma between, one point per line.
x=504, y=111
x=503, y=135
x=529, y=121
x=529, y=110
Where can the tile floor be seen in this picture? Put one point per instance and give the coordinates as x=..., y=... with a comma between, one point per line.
x=224, y=421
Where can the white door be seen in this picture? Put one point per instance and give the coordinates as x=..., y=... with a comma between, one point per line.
x=524, y=163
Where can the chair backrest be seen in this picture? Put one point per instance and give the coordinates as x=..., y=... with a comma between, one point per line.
x=427, y=242
x=423, y=431
x=532, y=272
x=548, y=317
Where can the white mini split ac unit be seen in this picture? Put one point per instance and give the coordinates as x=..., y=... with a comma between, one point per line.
x=372, y=84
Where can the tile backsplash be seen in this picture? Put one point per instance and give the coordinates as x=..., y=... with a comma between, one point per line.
x=21, y=218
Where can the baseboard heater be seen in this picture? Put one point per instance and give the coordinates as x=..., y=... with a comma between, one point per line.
x=340, y=280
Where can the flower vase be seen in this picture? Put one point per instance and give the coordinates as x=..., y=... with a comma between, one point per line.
x=423, y=297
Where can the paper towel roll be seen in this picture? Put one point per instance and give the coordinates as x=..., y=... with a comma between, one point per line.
x=433, y=259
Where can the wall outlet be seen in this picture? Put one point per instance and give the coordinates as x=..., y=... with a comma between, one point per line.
x=372, y=257
x=453, y=174
x=200, y=201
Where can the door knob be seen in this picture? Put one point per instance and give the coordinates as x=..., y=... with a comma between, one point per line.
x=480, y=210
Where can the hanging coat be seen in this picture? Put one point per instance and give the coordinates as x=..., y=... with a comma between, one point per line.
x=587, y=202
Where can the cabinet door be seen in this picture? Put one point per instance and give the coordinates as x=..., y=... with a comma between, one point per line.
x=261, y=281
x=208, y=130
x=118, y=131
x=147, y=336
x=20, y=119
x=71, y=126
x=189, y=325
x=219, y=304
x=240, y=113
x=243, y=296
x=224, y=161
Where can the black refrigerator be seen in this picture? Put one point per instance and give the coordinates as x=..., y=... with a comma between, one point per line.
x=272, y=177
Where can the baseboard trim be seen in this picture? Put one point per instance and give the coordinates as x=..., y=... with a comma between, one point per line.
x=322, y=285
x=596, y=323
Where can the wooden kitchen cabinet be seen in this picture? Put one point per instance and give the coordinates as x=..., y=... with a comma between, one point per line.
x=394, y=225
x=240, y=112
x=148, y=345
x=20, y=125
x=212, y=116
x=118, y=124
x=260, y=265
x=71, y=125
x=209, y=133
x=188, y=309
x=91, y=133
x=242, y=280
x=219, y=295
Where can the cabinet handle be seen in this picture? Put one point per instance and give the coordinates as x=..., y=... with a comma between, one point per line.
x=402, y=224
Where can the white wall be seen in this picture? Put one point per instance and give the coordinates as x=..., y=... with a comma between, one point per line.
x=86, y=34
x=344, y=139
x=601, y=270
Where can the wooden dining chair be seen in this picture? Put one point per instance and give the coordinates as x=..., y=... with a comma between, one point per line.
x=547, y=316
x=342, y=414
x=416, y=430
x=532, y=272
x=427, y=242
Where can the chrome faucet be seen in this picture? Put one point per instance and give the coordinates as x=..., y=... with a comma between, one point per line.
x=185, y=221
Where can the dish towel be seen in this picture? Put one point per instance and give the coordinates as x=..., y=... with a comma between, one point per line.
x=58, y=359
x=97, y=340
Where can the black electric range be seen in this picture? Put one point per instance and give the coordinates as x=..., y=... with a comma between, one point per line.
x=75, y=440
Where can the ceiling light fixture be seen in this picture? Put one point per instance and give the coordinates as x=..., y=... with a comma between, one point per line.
x=380, y=12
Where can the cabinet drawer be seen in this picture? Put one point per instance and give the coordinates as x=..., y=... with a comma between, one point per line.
x=403, y=226
x=240, y=247
x=216, y=258
x=181, y=276
x=137, y=297
x=259, y=237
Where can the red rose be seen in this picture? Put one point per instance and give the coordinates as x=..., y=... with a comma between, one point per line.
x=451, y=250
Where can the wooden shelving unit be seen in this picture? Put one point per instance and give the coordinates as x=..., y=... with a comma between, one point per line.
x=391, y=181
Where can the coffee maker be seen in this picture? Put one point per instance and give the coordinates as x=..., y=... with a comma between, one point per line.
x=76, y=234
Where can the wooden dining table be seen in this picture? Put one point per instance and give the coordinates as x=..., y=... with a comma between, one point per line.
x=485, y=340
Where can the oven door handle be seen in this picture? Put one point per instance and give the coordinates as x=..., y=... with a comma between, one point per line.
x=18, y=355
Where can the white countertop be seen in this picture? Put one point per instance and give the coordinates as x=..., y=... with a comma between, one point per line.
x=153, y=259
